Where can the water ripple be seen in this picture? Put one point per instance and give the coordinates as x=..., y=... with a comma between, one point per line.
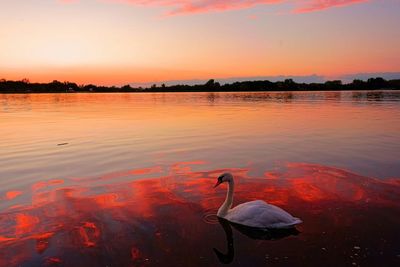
x=210, y=216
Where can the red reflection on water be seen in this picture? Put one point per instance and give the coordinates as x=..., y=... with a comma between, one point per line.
x=144, y=216
x=89, y=234
x=42, y=242
x=40, y=185
x=185, y=166
x=25, y=223
x=12, y=194
x=156, y=169
x=53, y=260
x=6, y=239
x=135, y=253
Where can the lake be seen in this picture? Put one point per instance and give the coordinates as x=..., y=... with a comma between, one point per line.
x=127, y=179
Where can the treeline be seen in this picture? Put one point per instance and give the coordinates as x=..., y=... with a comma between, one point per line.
x=24, y=86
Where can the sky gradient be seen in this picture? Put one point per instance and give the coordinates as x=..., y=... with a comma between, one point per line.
x=132, y=41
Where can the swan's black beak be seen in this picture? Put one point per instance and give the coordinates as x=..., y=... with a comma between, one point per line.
x=218, y=183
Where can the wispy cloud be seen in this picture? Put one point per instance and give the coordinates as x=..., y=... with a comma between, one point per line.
x=317, y=5
x=183, y=7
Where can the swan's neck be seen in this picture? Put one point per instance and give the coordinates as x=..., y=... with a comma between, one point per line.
x=223, y=210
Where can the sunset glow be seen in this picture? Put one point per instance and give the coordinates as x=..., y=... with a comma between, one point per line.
x=128, y=41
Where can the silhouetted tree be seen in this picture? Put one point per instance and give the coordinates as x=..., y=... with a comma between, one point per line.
x=376, y=83
x=126, y=87
x=24, y=86
x=333, y=85
x=289, y=81
x=210, y=83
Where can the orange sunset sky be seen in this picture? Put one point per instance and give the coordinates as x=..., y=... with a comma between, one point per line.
x=133, y=41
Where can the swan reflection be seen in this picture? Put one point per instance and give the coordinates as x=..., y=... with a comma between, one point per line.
x=251, y=232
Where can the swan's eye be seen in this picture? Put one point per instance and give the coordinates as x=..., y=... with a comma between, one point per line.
x=220, y=178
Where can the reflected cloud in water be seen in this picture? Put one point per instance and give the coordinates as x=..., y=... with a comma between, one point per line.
x=119, y=220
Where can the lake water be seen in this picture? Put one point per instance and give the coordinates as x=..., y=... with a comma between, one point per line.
x=126, y=179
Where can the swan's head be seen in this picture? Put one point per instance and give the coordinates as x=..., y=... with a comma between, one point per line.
x=225, y=177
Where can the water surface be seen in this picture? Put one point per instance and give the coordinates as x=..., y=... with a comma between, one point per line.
x=126, y=179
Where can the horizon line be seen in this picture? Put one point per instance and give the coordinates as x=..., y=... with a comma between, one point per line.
x=307, y=79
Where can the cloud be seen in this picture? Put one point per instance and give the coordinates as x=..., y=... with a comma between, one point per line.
x=183, y=7
x=317, y=5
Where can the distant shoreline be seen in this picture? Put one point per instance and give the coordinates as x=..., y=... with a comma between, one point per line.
x=25, y=87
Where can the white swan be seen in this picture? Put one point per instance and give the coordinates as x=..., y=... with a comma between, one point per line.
x=256, y=213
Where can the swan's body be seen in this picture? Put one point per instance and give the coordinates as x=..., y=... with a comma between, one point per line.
x=256, y=213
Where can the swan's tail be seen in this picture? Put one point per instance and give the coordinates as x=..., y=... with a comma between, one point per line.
x=297, y=221
x=291, y=224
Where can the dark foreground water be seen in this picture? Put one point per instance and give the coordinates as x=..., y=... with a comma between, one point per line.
x=126, y=180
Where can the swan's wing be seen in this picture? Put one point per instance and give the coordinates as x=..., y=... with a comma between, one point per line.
x=262, y=215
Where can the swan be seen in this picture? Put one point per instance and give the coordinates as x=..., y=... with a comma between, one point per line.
x=257, y=213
